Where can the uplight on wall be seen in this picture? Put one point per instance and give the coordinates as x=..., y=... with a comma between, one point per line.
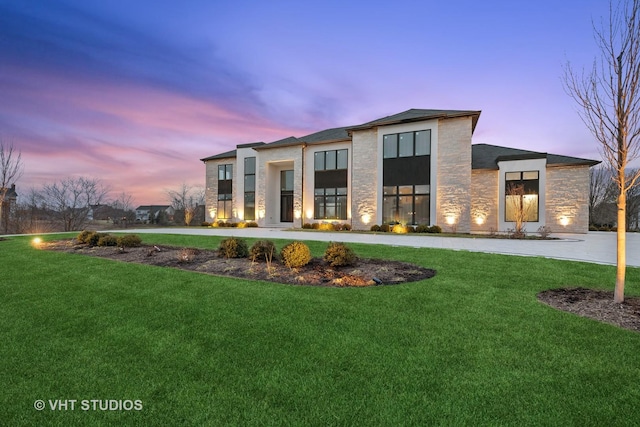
x=450, y=219
x=297, y=214
x=309, y=214
x=564, y=221
x=480, y=219
x=366, y=218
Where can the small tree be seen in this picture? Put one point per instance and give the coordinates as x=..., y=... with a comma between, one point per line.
x=519, y=209
x=609, y=101
x=186, y=199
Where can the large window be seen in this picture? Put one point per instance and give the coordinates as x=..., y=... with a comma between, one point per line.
x=407, y=144
x=225, y=186
x=406, y=177
x=406, y=204
x=250, y=188
x=521, y=196
x=330, y=185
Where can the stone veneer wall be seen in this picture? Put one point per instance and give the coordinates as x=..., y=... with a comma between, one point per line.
x=211, y=187
x=364, y=179
x=454, y=174
x=568, y=197
x=266, y=202
x=484, y=200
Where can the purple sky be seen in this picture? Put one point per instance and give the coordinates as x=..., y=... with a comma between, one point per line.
x=136, y=92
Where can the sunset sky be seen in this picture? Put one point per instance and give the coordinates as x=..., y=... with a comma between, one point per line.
x=135, y=92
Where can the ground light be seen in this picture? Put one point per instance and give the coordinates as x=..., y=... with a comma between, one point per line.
x=36, y=241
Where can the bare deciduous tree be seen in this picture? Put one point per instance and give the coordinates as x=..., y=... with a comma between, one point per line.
x=186, y=199
x=609, y=101
x=70, y=200
x=519, y=208
x=10, y=171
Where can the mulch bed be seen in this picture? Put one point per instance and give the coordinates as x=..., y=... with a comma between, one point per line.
x=366, y=272
x=595, y=304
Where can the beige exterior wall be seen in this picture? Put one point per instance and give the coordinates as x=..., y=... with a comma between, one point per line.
x=364, y=179
x=211, y=187
x=567, y=207
x=453, y=190
x=269, y=163
x=484, y=201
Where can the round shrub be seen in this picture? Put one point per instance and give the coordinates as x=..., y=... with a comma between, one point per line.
x=83, y=235
x=346, y=227
x=295, y=254
x=262, y=250
x=422, y=228
x=375, y=227
x=307, y=226
x=339, y=255
x=108, y=241
x=315, y=225
x=252, y=224
x=129, y=241
x=434, y=229
x=385, y=228
x=94, y=237
x=399, y=229
x=232, y=247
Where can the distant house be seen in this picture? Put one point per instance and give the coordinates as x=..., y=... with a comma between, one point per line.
x=153, y=213
x=414, y=167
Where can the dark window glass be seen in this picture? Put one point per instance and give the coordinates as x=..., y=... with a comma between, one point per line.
x=343, y=160
x=406, y=145
x=390, y=146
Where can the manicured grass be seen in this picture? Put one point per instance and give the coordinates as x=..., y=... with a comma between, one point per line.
x=472, y=346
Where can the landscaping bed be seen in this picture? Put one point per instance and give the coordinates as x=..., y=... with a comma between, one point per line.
x=366, y=272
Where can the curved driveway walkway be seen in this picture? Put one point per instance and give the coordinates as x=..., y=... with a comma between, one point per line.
x=597, y=247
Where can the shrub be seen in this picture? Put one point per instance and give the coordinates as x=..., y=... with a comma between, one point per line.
x=83, y=235
x=295, y=254
x=346, y=227
x=375, y=227
x=307, y=226
x=187, y=255
x=337, y=226
x=327, y=226
x=262, y=250
x=422, y=228
x=544, y=231
x=94, y=237
x=108, y=241
x=205, y=224
x=400, y=229
x=129, y=241
x=385, y=228
x=233, y=247
x=252, y=224
x=434, y=229
x=338, y=255
x=315, y=225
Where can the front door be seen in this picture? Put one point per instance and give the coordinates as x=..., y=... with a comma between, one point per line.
x=286, y=196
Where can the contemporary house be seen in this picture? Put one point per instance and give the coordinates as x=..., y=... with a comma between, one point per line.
x=414, y=167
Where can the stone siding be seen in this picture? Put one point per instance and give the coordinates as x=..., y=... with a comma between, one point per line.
x=567, y=205
x=484, y=201
x=364, y=179
x=211, y=187
x=453, y=183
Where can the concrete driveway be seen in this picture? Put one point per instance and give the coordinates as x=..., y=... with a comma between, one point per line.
x=597, y=247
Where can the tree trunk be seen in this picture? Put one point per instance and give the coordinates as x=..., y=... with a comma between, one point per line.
x=618, y=294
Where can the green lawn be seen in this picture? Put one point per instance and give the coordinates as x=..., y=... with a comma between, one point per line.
x=472, y=346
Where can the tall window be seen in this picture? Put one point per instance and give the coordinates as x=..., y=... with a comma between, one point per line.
x=406, y=204
x=521, y=196
x=225, y=185
x=250, y=188
x=330, y=184
x=406, y=177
